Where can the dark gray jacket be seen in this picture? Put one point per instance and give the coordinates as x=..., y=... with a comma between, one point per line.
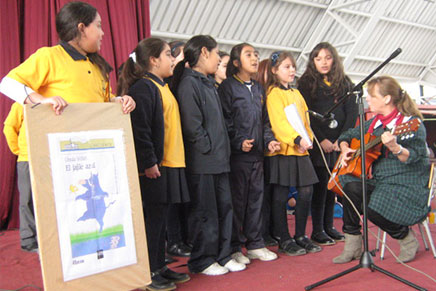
x=205, y=136
x=246, y=117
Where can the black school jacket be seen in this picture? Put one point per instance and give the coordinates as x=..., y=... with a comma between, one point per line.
x=321, y=101
x=246, y=117
x=147, y=123
x=205, y=136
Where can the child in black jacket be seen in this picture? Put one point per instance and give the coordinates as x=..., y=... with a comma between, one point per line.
x=158, y=140
x=243, y=101
x=207, y=154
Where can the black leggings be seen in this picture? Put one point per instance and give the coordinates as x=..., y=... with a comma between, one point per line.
x=323, y=202
x=352, y=220
x=302, y=209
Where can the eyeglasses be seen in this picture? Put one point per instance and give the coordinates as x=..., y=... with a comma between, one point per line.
x=174, y=48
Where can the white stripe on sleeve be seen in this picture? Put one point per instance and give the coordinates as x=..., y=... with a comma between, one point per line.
x=14, y=89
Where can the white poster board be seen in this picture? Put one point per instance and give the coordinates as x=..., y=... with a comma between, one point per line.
x=92, y=201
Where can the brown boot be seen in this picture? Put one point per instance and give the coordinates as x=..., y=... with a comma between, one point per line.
x=352, y=249
x=408, y=247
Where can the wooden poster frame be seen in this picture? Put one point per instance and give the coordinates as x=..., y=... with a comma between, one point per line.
x=40, y=121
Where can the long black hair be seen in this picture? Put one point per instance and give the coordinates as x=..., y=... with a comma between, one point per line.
x=67, y=20
x=135, y=67
x=235, y=55
x=311, y=77
x=192, y=52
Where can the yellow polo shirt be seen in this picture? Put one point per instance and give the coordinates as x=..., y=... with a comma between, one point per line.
x=15, y=132
x=276, y=101
x=62, y=71
x=174, y=151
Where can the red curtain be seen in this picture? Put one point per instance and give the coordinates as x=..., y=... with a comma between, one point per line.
x=25, y=26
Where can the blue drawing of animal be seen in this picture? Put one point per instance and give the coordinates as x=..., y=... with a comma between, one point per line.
x=94, y=197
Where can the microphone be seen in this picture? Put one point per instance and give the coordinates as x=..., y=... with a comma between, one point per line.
x=332, y=124
x=395, y=53
x=316, y=114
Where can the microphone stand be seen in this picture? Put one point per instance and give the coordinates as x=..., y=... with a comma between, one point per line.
x=366, y=260
x=358, y=88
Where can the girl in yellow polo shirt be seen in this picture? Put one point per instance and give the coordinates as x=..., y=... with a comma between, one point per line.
x=291, y=166
x=70, y=72
x=159, y=148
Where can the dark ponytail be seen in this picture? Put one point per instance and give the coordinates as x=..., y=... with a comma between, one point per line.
x=67, y=20
x=129, y=74
x=139, y=63
x=192, y=52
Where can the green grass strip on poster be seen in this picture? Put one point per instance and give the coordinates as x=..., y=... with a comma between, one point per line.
x=81, y=237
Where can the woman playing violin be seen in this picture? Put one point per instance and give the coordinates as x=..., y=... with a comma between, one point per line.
x=397, y=191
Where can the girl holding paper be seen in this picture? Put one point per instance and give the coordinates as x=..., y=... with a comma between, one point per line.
x=323, y=82
x=291, y=166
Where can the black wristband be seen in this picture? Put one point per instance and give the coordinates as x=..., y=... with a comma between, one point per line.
x=28, y=95
x=297, y=140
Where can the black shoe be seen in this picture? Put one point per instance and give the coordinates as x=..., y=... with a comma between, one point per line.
x=179, y=250
x=334, y=234
x=174, y=277
x=32, y=248
x=306, y=243
x=159, y=283
x=322, y=239
x=291, y=248
x=169, y=260
x=270, y=241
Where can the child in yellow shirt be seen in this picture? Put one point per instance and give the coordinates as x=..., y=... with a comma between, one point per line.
x=15, y=134
x=291, y=166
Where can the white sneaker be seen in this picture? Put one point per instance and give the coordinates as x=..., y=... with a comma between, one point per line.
x=214, y=270
x=240, y=258
x=234, y=266
x=262, y=254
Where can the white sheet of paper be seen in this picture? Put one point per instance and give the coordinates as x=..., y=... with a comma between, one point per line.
x=296, y=122
x=92, y=202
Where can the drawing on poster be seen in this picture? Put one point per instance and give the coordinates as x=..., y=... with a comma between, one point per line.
x=110, y=238
x=92, y=202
